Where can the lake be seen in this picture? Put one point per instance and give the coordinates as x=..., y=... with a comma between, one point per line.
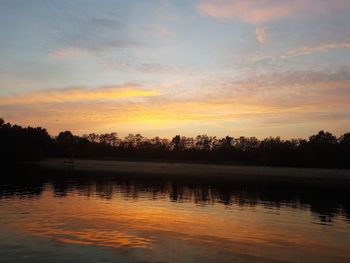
x=70, y=216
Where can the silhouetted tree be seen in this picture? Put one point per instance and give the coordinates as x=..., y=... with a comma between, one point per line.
x=92, y=137
x=176, y=141
x=203, y=142
x=226, y=143
x=345, y=140
x=321, y=150
x=109, y=139
x=323, y=139
x=18, y=143
x=65, y=137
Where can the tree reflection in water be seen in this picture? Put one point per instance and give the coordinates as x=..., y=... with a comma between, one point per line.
x=324, y=199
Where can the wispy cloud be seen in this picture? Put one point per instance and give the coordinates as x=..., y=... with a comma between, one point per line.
x=304, y=51
x=262, y=11
x=259, y=12
x=65, y=53
x=316, y=49
x=260, y=35
x=246, y=11
x=94, y=34
x=78, y=95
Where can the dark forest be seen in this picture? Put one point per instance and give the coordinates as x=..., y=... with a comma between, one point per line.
x=320, y=150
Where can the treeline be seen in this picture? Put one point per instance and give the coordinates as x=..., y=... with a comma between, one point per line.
x=320, y=150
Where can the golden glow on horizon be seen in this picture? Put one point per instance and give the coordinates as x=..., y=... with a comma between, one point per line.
x=131, y=109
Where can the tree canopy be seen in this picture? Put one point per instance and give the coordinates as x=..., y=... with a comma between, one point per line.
x=320, y=150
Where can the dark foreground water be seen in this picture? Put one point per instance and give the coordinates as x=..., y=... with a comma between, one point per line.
x=66, y=216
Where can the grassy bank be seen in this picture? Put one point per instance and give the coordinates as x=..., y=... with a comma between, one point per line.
x=195, y=170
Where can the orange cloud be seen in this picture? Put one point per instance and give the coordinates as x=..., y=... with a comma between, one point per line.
x=261, y=11
x=249, y=107
x=269, y=108
x=77, y=95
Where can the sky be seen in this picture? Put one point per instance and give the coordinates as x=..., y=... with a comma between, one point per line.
x=165, y=67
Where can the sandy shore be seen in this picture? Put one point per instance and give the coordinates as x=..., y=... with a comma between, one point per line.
x=196, y=170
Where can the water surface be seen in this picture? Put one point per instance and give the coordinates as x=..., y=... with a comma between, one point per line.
x=60, y=216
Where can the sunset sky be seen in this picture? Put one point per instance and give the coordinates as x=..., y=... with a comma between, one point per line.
x=167, y=67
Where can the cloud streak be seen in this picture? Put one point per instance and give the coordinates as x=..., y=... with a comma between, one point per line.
x=97, y=34
x=262, y=11
x=70, y=95
x=316, y=49
x=65, y=53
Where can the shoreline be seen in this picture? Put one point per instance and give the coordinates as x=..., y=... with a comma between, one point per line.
x=195, y=170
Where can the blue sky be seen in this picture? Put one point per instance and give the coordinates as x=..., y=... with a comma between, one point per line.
x=254, y=68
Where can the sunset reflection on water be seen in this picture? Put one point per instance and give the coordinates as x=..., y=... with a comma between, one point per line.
x=166, y=223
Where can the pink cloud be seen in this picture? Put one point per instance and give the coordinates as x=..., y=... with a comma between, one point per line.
x=65, y=53
x=261, y=11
